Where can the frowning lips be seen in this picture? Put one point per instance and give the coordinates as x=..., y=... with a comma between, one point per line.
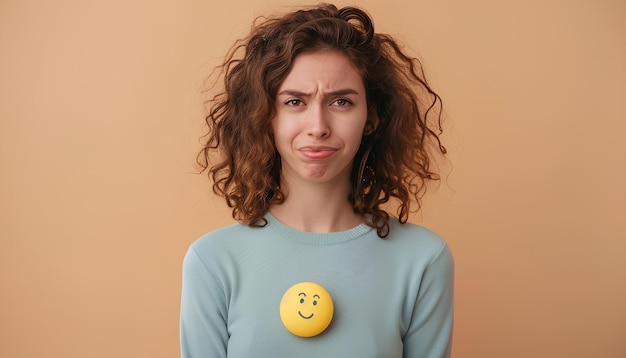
x=317, y=152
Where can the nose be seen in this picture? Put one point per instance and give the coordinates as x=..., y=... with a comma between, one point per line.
x=318, y=123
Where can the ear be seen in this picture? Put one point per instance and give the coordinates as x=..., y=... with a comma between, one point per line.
x=372, y=122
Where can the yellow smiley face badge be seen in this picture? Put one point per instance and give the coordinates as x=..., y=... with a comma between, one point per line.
x=306, y=309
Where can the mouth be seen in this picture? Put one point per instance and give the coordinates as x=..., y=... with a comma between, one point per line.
x=317, y=152
x=305, y=317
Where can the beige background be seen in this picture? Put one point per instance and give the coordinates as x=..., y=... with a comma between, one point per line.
x=100, y=116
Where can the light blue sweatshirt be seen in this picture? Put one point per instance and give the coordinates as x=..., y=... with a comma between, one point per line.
x=392, y=297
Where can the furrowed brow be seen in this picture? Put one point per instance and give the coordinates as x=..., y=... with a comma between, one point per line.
x=340, y=92
x=294, y=93
x=343, y=92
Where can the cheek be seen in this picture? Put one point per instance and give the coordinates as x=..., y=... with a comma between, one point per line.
x=284, y=131
x=354, y=133
x=281, y=143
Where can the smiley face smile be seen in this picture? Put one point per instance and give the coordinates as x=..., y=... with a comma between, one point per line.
x=304, y=316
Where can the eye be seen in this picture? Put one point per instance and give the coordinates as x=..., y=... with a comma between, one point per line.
x=302, y=300
x=294, y=102
x=314, y=303
x=341, y=102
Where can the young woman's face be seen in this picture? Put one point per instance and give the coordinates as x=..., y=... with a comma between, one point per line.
x=321, y=112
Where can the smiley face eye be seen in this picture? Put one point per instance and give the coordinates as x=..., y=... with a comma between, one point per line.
x=302, y=300
x=314, y=303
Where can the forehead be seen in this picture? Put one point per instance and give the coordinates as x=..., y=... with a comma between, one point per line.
x=323, y=69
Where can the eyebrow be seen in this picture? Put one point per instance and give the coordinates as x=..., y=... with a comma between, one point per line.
x=340, y=92
x=316, y=296
x=302, y=294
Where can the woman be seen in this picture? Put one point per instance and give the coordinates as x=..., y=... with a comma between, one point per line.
x=321, y=123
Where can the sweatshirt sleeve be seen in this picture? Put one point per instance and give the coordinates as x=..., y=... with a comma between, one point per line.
x=203, y=311
x=430, y=332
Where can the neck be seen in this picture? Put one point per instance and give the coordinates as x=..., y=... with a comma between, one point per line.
x=317, y=208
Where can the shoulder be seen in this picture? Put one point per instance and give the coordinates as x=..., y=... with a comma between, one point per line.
x=221, y=236
x=222, y=243
x=217, y=256
x=415, y=234
x=418, y=240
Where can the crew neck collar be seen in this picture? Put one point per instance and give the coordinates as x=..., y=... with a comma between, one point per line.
x=314, y=238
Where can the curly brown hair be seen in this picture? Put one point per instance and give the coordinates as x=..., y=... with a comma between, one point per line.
x=394, y=159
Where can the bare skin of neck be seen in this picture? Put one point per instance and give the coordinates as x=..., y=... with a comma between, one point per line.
x=320, y=208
